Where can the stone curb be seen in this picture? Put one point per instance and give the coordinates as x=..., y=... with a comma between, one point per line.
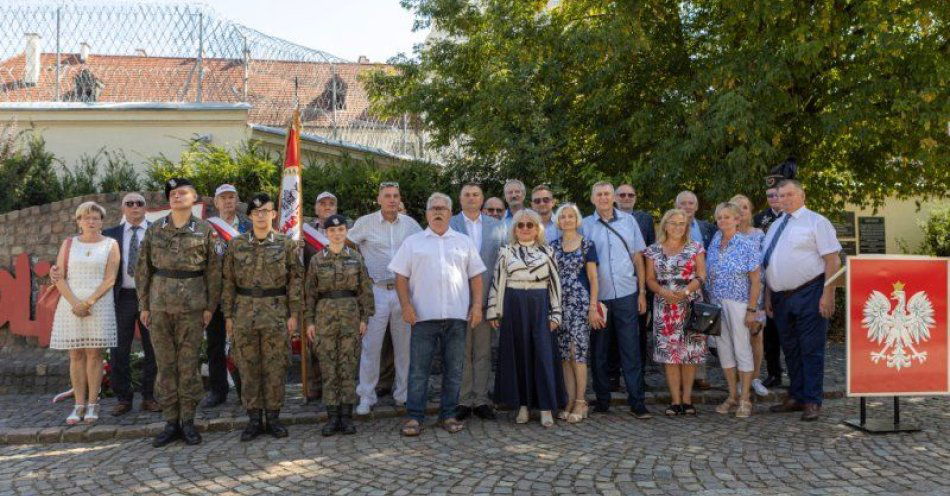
x=104, y=432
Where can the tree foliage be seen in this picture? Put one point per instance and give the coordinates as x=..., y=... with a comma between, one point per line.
x=703, y=94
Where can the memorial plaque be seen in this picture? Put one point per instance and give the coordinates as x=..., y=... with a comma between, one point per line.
x=844, y=224
x=849, y=248
x=871, y=237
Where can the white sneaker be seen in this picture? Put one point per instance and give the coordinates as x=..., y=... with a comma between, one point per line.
x=759, y=388
x=363, y=408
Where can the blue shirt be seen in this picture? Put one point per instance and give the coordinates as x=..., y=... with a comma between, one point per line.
x=551, y=232
x=729, y=269
x=616, y=274
x=695, y=233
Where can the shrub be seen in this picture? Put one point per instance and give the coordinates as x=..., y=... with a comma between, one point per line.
x=119, y=173
x=937, y=232
x=250, y=168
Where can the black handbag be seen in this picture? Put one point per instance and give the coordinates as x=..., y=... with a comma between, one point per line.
x=704, y=318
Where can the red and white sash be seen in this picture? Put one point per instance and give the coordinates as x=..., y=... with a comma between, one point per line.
x=314, y=237
x=225, y=230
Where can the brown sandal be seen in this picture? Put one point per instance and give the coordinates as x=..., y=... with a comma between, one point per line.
x=411, y=428
x=452, y=425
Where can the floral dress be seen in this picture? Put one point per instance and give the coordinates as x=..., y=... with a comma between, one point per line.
x=575, y=294
x=673, y=345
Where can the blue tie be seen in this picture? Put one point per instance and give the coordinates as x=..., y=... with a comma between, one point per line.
x=778, y=234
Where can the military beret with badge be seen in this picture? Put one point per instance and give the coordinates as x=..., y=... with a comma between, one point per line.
x=781, y=172
x=335, y=220
x=257, y=201
x=175, y=183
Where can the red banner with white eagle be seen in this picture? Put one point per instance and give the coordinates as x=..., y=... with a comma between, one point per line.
x=898, y=330
x=291, y=184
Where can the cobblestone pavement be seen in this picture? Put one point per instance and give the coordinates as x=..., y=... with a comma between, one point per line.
x=608, y=454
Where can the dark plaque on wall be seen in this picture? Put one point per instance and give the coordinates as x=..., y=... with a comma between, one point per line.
x=844, y=224
x=871, y=235
x=849, y=247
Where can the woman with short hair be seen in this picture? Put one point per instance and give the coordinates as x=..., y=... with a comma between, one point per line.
x=84, y=321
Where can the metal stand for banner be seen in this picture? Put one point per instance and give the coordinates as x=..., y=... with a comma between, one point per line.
x=881, y=426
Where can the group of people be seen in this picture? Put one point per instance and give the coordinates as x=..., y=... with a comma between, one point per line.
x=550, y=289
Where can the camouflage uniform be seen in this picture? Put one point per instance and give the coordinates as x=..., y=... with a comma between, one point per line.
x=260, y=341
x=178, y=276
x=337, y=318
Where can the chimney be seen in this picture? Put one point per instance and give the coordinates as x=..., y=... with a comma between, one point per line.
x=140, y=52
x=363, y=59
x=84, y=52
x=32, y=54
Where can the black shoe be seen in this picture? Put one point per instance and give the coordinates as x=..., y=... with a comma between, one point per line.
x=189, y=433
x=274, y=426
x=346, y=419
x=602, y=407
x=333, y=421
x=772, y=381
x=212, y=400
x=640, y=412
x=254, y=426
x=485, y=412
x=169, y=434
x=463, y=413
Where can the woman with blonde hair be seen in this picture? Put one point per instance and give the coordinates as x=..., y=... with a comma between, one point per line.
x=84, y=321
x=576, y=259
x=676, y=276
x=525, y=302
x=756, y=235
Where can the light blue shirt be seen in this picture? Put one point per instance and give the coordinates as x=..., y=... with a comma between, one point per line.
x=696, y=233
x=616, y=274
x=551, y=232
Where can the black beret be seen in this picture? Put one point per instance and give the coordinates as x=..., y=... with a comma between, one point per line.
x=334, y=221
x=175, y=183
x=258, y=201
x=781, y=172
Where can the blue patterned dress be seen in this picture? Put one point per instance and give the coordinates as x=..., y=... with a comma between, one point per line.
x=575, y=299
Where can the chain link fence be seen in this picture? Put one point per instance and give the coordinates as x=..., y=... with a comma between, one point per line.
x=94, y=51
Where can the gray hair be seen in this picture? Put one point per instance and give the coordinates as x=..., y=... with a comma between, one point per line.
x=533, y=217
x=88, y=208
x=601, y=184
x=568, y=206
x=438, y=196
x=515, y=182
x=794, y=183
x=685, y=193
x=133, y=196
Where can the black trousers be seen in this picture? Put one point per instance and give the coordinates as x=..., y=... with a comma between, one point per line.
x=217, y=361
x=127, y=316
x=773, y=349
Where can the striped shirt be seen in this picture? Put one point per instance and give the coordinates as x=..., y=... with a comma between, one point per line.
x=524, y=264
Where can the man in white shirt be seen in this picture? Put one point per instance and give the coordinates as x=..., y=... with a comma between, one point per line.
x=543, y=202
x=438, y=279
x=378, y=237
x=488, y=235
x=801, y=253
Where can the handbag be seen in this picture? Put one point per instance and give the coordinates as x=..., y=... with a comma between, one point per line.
x=704, y=318
x=50, y=295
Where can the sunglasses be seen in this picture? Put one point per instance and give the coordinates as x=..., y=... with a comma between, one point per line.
x=627, y=195
x=544, y=199
x=135, y=203
x=771, y=195
x=494, y=210
x=526, y=225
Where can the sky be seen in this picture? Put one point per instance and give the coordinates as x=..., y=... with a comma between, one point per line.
x=378, y=29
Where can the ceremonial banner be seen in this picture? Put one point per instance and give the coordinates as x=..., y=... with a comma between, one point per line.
x=314, y=237
x=897, y=331
x=291, y=183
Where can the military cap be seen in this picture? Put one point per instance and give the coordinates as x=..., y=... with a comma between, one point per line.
x=257, y=201
x=781, y=172
x=175, y=183
x=334, y=221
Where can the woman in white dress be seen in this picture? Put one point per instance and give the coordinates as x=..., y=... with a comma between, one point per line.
x=84, y=322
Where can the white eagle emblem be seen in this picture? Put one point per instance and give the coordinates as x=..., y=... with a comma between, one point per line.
x=901, y=329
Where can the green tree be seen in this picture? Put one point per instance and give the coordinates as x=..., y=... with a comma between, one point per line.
x=249, y=167
x=704, y=94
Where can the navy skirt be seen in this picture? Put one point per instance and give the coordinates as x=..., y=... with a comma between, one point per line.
x=528, y=372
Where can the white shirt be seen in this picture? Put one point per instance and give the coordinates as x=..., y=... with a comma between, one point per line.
x=796, y=258
x=128, y=281
x=378, y=240
x=438, y=268
x=474, y=228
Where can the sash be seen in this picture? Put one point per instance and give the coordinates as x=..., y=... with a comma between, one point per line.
x=314, y=237
x=225, y=230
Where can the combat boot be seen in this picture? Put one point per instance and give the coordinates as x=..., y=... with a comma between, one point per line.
x=333, y=421
x=189, y=433
x=274, y=427
x=254, y=426
x=346, y=419
x=169, y=434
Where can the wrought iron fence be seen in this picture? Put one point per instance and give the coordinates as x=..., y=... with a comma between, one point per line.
x=95, y=51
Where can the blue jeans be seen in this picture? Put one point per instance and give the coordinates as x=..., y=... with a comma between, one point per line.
x=802, y=332
x=622, y=325
x=423, y=344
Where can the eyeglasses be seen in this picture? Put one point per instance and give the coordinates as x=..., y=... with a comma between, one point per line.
x=526, y=225
x=135, y=203
x=627, y=195
x=543, y=199
x=262, y=212
x=771, y=195
x=438, y=208
x=494, y=210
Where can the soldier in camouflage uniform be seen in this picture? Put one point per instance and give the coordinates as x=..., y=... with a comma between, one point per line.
x=178, y=277
x=339, y=302
x=263, y=291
